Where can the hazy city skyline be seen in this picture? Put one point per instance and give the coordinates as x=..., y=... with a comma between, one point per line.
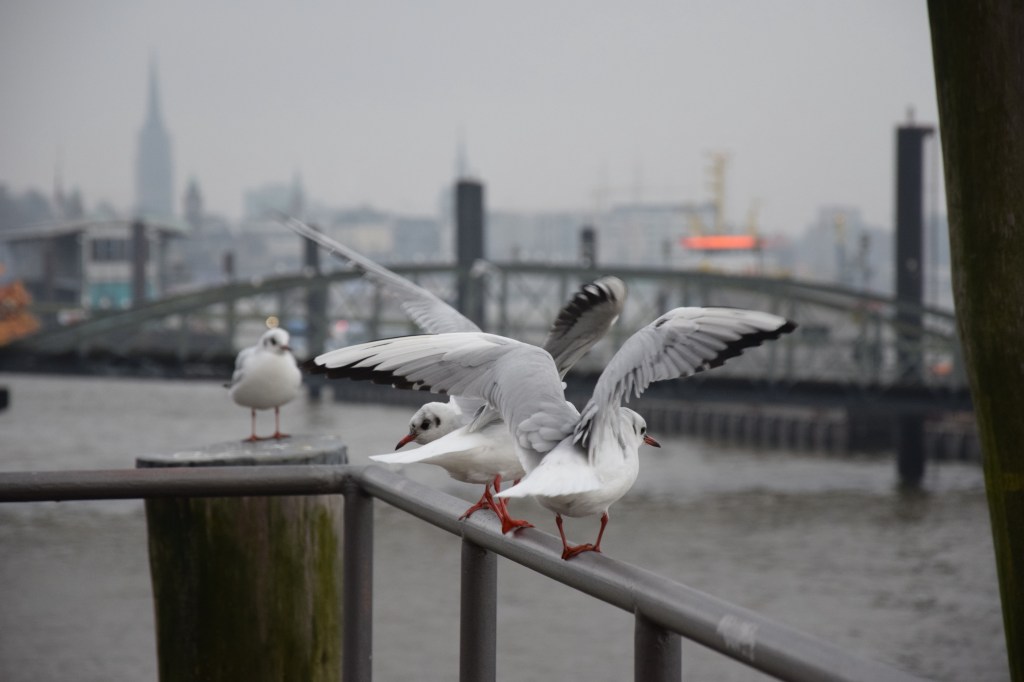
x=560, y=106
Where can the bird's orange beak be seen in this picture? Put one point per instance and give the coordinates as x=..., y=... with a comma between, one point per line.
x=650, y=441
x=406, y=439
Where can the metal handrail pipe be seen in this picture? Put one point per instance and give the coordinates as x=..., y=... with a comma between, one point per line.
x=119, y=484
x=733, y=631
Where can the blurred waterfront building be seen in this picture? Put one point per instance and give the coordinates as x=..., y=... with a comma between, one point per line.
x=88, y=264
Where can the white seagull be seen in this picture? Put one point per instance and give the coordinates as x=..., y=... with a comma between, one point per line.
x=266, y=375
x=469, y=442
x=577, y=463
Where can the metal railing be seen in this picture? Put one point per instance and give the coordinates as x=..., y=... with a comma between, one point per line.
x=664, y=610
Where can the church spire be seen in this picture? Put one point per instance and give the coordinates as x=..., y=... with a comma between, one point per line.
x=154, y=172
x=153, y=108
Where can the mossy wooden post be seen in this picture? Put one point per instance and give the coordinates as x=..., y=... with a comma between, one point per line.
x=978, y=50
x=248, y=588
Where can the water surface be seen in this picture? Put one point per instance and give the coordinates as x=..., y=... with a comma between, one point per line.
x=827, y=546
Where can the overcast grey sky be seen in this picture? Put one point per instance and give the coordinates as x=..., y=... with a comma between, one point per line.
x=556, y=100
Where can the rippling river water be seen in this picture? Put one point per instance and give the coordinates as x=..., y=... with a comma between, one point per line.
x=827, y=546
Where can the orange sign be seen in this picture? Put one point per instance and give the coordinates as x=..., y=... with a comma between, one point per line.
x=722, y=242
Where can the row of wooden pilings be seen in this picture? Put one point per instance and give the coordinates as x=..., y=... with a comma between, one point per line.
x=832, y=431
x=856, y=429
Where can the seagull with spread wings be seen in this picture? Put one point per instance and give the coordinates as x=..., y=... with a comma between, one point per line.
x=578, y=463
x=463, y=436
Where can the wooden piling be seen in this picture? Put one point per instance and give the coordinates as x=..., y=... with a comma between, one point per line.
x=979, y=76
x=248, y=588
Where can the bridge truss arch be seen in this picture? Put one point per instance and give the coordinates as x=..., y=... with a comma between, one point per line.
x=844, y=336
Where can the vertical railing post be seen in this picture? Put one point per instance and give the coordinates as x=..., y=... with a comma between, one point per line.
x=478, y=614
x=357, y=591
x=657, y=653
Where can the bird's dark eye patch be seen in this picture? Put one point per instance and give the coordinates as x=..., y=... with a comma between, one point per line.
x=425, y=424
x=437, y=421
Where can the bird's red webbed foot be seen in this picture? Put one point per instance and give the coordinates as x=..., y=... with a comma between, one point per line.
x=509, y=524
x=485, y=502
x=569, y=551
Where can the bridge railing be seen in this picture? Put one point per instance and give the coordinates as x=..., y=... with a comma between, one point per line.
x=664, y=610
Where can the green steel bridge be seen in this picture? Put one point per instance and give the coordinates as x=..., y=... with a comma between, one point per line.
x=845, y=337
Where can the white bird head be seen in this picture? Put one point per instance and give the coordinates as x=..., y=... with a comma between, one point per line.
x=430, y=422
x=275, y=340
x=634, y=429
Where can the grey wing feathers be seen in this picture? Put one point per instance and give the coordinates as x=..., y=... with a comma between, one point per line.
x=240, y=360
x=584, y=321
x=680, y=343
x=429, y=312
x=517, y=379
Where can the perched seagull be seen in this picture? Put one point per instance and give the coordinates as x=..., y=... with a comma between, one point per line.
x=462, y=436
x=577, y=463
x=266, y=375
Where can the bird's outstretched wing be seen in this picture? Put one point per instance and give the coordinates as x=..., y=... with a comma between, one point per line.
x=581, y=323
x=429, y=312
x=678, y=344
x=519, y=380
x=584, y=321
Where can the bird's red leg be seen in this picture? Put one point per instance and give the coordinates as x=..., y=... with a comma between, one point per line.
x=507, y=522
x=253, y=438
x=569, y=551
x=484, y=503
x=277, y=425
x=600, y=533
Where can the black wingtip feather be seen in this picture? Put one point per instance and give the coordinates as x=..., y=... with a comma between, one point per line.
x=371, y=374
x=310, y=367
x=735, y=348
x=588, y=296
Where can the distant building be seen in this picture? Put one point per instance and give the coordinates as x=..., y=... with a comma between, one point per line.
x=280, y=197
x=640, y=234
x=417, y=240
x=650, y=234
x=88, y=264
x=154, y=171
x=193, y=205
x=841, y=248
x=207, y=253
x=543, y=237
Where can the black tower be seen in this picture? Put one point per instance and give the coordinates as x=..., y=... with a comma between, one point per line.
x=469, y=247
x=910, y=140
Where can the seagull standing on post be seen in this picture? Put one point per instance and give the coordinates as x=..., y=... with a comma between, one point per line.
x=266, y=376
